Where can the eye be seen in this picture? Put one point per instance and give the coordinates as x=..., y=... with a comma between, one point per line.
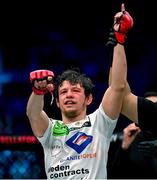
x=76, y=90
x=63, y=92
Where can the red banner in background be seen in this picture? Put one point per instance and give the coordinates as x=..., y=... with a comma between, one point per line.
x=18, y=139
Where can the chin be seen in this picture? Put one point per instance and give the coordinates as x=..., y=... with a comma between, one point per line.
x=71, y=113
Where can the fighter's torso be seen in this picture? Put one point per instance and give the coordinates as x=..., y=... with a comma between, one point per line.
x=77, y=150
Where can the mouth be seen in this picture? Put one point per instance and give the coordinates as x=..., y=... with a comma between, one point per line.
x=69, y=102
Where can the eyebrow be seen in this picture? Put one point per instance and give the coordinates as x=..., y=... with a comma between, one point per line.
x=73, y=87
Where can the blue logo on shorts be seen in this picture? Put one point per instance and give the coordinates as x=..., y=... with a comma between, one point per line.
x=79, y=141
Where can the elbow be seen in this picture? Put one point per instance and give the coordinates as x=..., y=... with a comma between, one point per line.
x=120, y=87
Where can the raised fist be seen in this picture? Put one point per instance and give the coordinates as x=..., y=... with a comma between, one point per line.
x=42, y=81
x=123, y=22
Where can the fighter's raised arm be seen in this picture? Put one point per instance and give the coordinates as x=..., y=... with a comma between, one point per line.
x=41, y=81
x=113, y=98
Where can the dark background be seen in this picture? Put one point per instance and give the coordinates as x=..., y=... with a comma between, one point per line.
x=59, y=35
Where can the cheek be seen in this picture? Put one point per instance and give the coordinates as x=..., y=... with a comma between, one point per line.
x=60, y=101
x=82, y=100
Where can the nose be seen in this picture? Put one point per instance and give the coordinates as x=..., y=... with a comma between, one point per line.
x=69, y=93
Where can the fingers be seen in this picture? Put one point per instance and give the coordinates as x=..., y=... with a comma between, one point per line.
x=49, y=78
x=50, y=87
x=131, y=130
x=117, y=17
x=122, y=7
x=40, y=84
x=119, y=14
x=44, y=84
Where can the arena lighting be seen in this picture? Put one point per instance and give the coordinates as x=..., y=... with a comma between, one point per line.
x=18, y=139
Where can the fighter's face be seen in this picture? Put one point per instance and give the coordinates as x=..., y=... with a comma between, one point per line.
x=72, y=100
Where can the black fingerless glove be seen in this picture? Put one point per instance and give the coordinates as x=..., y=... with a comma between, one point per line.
x=111, y=39
x=110, y=45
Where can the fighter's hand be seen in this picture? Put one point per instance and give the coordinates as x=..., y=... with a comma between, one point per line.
x=123, y=22
x=42, y=81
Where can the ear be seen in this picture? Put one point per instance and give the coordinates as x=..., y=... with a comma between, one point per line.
x=89, y=99
x=57, y=102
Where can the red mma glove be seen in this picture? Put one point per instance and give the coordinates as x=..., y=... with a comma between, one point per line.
x=42, y=81
x=123, y=22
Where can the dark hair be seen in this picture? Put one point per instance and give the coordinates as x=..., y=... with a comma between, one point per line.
x=74, y=77
x=150, y=93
